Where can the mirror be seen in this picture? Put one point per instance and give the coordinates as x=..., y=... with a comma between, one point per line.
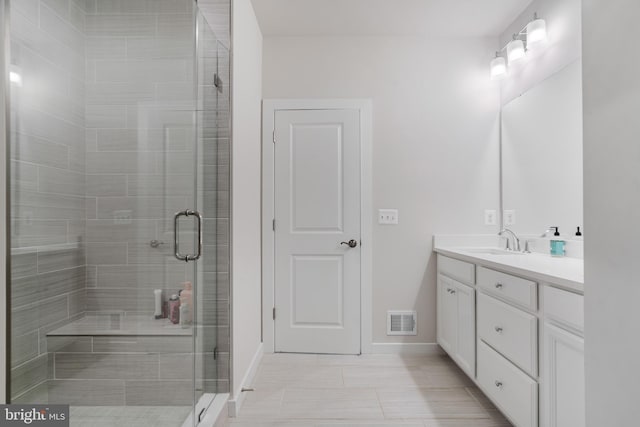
x=542, y=155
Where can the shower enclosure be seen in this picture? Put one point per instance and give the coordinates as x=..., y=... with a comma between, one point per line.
x=119, y=186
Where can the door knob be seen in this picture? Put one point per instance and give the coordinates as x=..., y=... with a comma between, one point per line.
x=351, y=243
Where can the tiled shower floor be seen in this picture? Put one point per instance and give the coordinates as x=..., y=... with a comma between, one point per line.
x=297, y=390
x=129, y=416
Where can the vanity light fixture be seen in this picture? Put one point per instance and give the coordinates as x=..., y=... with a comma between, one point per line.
x=515, y=49
x=15, y=78
x=498, y=67
x=533, y=34
x=536, y=31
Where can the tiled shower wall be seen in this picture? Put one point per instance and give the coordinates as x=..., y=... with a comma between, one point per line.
x=48, y=179
x=140, y=149
x=103, y=155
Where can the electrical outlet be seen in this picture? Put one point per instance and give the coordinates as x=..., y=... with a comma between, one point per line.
x=388, y=216
x=490, y=217
x=509, y=217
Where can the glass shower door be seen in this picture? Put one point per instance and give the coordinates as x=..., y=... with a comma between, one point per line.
x=111, y=136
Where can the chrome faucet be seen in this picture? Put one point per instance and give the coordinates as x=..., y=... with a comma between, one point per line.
x=516, y=241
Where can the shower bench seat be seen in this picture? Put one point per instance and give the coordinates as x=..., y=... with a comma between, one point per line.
x=115, y=360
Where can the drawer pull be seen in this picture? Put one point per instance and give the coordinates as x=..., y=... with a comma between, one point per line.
x=498, y=285
x=498, y=329
x=498, y=384
x=451, y=291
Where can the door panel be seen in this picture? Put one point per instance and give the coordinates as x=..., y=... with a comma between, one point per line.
x=447, y=316
x=317, y=206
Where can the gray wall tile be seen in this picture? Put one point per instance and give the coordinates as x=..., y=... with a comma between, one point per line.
x=38, y=288
x=141, y=276
x=60, y=181
x=86, y=392
x=114, y=25
x=121, y=162
x=28, y=375
x=38, y=150
x=106, y=185
x=105, y=253
x=106, y=366
x=69, y=344
x=24, y=348
x=105, y=116
x=55, y=260
x=170, y=392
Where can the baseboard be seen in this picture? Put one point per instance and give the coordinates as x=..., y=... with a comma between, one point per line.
x=405, y=348
x=238, y=399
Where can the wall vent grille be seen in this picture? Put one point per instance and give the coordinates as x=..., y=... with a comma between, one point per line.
x=402, y=323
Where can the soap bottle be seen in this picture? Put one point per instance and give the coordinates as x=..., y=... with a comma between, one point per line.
x=186, y=299
x=174, y=309
x=557, y=245
x=184, y=316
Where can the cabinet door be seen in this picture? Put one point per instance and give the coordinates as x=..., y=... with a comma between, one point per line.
x=564, y=391
x=447, y=315
x=466, y=328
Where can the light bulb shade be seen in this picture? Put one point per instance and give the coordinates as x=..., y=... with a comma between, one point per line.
x=498, y=68
x=515, y=50
x=536, y=32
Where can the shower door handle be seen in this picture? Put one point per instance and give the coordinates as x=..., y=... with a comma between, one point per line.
x=176, y=244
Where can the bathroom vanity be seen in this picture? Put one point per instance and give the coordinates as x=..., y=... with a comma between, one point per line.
x=514, y=323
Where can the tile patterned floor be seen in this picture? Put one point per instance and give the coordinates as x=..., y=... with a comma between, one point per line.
x=298, y=390
x=128, y=416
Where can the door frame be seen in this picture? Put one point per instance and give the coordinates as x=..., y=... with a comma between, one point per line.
x=269, y=108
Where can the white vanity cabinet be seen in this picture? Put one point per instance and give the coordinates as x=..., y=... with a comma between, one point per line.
x=527, y=351
x=563, y=393
x=456, y=323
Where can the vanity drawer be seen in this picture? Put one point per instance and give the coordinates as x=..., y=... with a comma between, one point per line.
x=515, y=289
x=456, y=269
x=564, y=307
x=508, y=387
x=509, y=330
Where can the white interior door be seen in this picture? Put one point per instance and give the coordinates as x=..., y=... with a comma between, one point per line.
x=317, y=212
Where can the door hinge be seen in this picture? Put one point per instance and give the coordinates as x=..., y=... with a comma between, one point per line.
x=274, y=313
x=273, y=224
x=274, y=136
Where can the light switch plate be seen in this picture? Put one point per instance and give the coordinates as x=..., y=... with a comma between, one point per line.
x=388, y=216
x=509, y=217
x=490, y=217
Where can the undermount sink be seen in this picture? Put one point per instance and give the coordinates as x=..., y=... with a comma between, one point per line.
x=491, y=251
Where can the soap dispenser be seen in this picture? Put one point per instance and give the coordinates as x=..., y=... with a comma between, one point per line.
x=557, y=245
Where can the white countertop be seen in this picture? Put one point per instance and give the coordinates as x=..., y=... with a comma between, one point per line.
x=564, y=272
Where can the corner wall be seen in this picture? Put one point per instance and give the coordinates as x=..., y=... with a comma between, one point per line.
x=611, y=65
x=246, y=188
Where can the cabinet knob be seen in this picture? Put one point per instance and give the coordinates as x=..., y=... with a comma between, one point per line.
x=498, y=285
x=498, y=329
x=499, y=384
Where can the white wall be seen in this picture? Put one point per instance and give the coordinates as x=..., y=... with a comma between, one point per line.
x=563, y=46
x=611, y=66
x=435, y=145
x=246, y=110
